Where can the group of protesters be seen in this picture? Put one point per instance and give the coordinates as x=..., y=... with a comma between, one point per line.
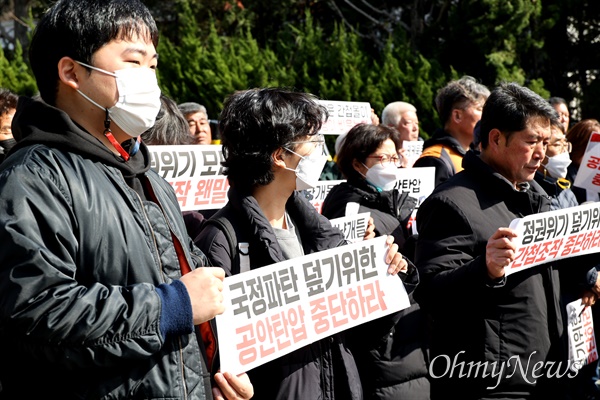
x=106, y=292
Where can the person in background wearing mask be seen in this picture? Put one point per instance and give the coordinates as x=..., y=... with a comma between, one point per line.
x=391, y=351
x=8, y=106
x=272, y=152
x=551, y=175
x=197, y=119
x=100, y=285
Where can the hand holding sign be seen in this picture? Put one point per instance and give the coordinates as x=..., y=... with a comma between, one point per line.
x=500, y=252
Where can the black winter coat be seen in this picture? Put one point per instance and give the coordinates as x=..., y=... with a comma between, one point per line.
x=391, y=352
x=517, y=318
x=322, y=370
x=81, y=260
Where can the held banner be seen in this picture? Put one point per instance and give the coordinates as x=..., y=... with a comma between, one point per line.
x=582, y=340
x=317, y=194
x=353, y=227
x=554, y=235
x=343, y=115
x=195, y=172
x=419, y=183
x=274, y=310
x=588, y=175
x=412, y=151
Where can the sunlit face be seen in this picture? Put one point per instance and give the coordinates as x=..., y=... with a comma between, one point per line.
x=557, y=144
x=563, y=114
x=113, y=56
x=387, y=150
x=409, y=126
x=470, y=116
x=518, y=157
x=5, y=125
x=199, y=128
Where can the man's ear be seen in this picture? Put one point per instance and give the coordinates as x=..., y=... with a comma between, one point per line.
x=456, y=115
x=495, y=137
x=277, y=157
x=68, y=71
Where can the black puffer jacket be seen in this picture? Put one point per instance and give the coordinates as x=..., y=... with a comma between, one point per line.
x=390, y=209
x=82, y=261
x=391, y=352
x=323, y=370
x=516, y=319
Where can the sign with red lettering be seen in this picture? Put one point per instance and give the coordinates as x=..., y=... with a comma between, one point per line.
x=582, y=340
x=588, y=175
x=554, y=235
x=195, y=172
x=274, y=310
x=317, y=194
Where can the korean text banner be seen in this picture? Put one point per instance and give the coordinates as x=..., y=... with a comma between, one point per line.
x=554, y=235
x=195, y=172
x=274, y=310
x=353, y=227
x=343, y=115
x=317, y=194
x=588, y=175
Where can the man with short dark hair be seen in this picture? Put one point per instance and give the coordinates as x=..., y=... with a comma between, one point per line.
x=483, y=320
x=459, y=106
x=100, y=286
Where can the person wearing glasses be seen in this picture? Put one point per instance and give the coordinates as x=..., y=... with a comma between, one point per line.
x=552, y=172
x=390, y=352
x=272, y=152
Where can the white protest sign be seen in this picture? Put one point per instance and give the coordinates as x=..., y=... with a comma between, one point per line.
x=412, y=151
x=582, y=340
x=554, y=235
x=317, y=194
x=343, y=115
x=195, y=172
x=588, y=175
x=352, y=226
x=419, y=183
x=274, y=310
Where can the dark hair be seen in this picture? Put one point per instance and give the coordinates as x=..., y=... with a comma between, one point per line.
x=361, y=141
x=509, y=108
x=8, y=101
x=557, y=100
x=579, y=136
x=77, y=29
x=256, y=122
x=459, y=94
x=170, y=126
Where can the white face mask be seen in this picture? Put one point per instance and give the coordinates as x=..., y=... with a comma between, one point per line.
x=382, y=177
x=309, y=168
x=139, y=99
x=557, y=165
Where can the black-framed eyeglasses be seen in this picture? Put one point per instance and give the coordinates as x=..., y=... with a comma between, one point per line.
x=386, y=159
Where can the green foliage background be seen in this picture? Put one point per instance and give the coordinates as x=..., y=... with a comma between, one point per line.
x=389, y=51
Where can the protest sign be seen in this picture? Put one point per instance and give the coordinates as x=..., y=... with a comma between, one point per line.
x=554, y=235
x=588, y=175
x=352, y=226
x=343, y=115
x=582, y=340
x=412, y=151
x=274, y=310
x=195, y=172
x=317, y=195
x=419, y=183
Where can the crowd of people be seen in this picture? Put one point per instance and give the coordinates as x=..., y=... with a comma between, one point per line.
x=109, y=291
